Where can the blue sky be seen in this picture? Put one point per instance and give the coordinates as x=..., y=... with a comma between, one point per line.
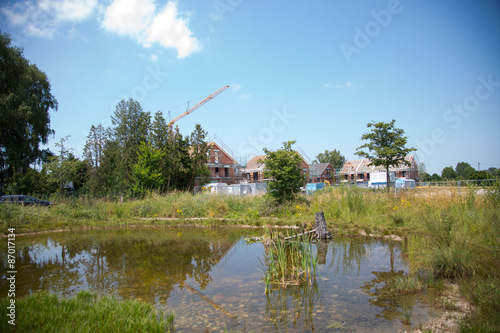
x=312, y=71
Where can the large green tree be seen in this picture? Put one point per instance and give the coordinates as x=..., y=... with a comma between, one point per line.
x=131, y=126
x=63, y=168
x=464, y=170
x=25, y=102
x=333, y=157
x=148, y=170
x=283, y=167
x=448, y=173
x=386, y=146
x=93, y=153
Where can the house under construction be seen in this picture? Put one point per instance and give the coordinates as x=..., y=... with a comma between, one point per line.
x=222, y=165
x=255, y=168
x=321, y=172
x=359, y=171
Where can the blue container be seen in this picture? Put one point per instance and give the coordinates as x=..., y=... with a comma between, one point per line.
x=312, y=187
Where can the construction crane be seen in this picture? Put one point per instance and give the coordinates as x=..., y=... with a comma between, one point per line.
x=203, y=102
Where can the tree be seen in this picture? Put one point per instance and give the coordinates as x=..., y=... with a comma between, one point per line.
x=93, y=153
x=448, y=173
x=422, y=174
x=463, y=170
x=386, y=147
x=199, y=156
x=25, y=102
x=131, y=127
x=283, y=166
x=148, y=170
x=435, y=177
x=63, y=168
x=333, y=157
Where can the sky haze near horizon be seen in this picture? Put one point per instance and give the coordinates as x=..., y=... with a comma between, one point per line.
x=316, y=72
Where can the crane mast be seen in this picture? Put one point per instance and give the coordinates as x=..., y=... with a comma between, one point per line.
x=203, y=102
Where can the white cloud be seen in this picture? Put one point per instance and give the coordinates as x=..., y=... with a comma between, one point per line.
x=148, y=25
x=129, y=17
x=326, y=85
x=141, y=20
x=43, y=18
x=245, y=96
x=154, y=58
x=235, y=86
x=345, y=85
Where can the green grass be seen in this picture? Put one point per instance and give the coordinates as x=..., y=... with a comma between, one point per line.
x=86, y=312
x=407, y=284
x=484, y=295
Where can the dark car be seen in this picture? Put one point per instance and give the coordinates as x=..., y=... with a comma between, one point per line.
x=23, y=200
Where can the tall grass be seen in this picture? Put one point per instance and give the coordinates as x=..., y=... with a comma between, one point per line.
x=288, y=262
x=86, y=312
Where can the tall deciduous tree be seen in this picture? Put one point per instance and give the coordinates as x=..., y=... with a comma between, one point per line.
x=464, y=170
x=448, y=173
x=386, y=146
x=25, y=102
x=148, y=170
x=63, y=168
x=283, y=166
x=333, y=157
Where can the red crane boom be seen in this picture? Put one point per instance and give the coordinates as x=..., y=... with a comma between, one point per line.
x=203, y=102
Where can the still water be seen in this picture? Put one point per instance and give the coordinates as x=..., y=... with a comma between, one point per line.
x=212, y=280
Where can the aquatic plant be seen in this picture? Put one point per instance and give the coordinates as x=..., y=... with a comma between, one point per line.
x=287, y=262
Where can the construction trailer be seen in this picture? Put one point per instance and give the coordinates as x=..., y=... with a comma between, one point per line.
x=313, y=187
x=233, y=189
x=405, y=183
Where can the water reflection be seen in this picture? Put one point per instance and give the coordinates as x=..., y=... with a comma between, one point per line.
x=131, y=263
x=212, y=280
x=294, y=307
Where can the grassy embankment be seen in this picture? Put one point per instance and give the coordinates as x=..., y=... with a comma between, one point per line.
x=86, y=312
x=452, y=235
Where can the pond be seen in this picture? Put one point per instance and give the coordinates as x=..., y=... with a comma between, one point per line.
x=213, y=280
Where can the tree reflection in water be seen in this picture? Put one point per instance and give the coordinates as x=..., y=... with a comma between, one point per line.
x=381, y=292
x=138, y=263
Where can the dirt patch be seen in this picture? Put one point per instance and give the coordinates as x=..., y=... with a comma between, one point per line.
x=453, y=309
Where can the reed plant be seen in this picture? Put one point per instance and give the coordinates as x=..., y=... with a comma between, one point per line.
x=287, y=262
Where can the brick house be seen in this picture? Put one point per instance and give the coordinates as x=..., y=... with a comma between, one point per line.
x=359, y=171
x=254, y=170
x=222, y=166
x=321, y=172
